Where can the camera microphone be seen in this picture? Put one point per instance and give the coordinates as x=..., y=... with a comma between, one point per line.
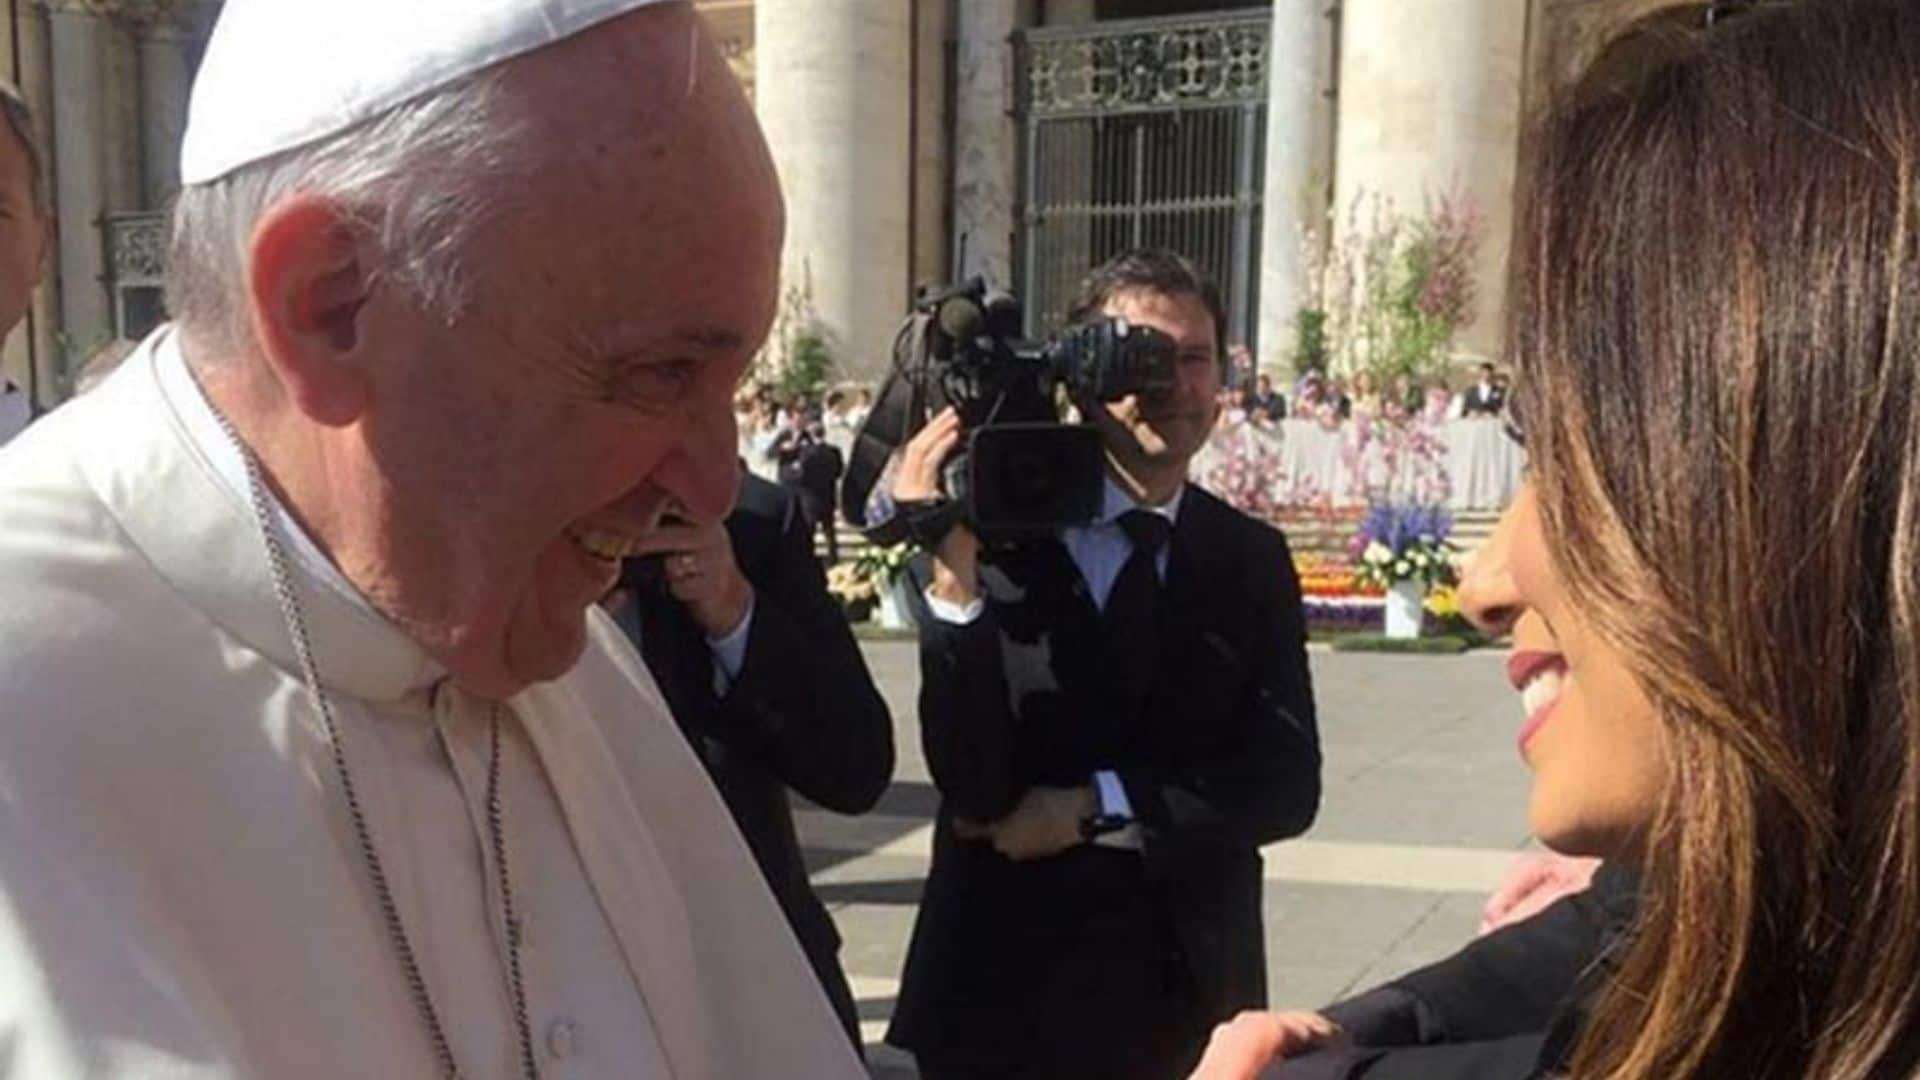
x=961, y=318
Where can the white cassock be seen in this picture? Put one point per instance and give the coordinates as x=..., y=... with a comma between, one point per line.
x=181, y=893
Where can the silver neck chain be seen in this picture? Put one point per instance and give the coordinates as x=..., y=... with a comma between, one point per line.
x=362, y=832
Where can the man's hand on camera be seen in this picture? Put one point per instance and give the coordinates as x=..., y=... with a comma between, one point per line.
x=956, y=559
x=701, y=574
x=1046, y=823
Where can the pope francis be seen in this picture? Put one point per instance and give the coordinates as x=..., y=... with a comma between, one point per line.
x=315, y=758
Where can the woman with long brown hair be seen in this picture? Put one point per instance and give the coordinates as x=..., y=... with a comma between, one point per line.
x=1713, y=578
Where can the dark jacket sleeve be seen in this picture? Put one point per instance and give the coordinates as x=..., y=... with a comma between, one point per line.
x=1484, y=1011
x=804, y=703
x=1513, y=1058
x=1263, y=783
x=967, y=723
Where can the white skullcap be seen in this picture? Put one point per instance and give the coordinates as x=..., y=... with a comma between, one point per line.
x=280, y=74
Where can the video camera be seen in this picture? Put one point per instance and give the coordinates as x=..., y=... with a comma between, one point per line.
x=1022, y=471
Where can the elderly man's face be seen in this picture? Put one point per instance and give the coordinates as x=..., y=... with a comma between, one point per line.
x=587, y=391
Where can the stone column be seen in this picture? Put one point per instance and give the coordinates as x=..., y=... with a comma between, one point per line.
x=1299, y=169
x=1438, y=110
x=166, y=79
x=121, y=96
x=932, y=262
x=79, y=52
x=983, y=140
x=834, y=98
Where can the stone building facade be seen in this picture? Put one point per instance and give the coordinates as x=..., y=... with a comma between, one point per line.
x=920, y=140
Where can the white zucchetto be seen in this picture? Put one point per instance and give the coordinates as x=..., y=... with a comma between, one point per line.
x=280, y=74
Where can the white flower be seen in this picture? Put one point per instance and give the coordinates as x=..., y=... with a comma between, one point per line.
x=1401, y=569
x=1377, y=553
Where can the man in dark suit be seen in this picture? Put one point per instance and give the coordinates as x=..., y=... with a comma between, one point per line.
x=1117, y=718
x=1263, y=404
x=1486, y=397
x=764, y=676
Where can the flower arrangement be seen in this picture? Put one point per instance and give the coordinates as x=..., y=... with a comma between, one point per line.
x=1334, y=601
x=1397, y=462
x=1391, y=290
x=1397, y=543
x=1332, y=581
x=851, y=585
x=882, y=566
x=1243, y=468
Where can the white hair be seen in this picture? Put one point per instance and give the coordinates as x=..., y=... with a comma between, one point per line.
x=419, y=178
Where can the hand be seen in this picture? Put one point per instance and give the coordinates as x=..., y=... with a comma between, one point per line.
x=702, y=575
x=917, y=477
x=956, y=561
x=1047, y=822
x=1251, y=1041
x=1532, y=883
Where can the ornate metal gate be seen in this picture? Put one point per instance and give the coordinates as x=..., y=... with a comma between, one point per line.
x=1143, y=132
x=137, y=265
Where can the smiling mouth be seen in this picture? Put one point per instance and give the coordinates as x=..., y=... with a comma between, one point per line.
x=611, y=546
x=1542, y=690
x=1540, y=678
x=603, y=545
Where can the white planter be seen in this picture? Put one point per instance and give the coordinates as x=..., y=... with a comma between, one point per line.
x=890, y=612
x=1405, y=603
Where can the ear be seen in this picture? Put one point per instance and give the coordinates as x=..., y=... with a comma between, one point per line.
x=308, y=281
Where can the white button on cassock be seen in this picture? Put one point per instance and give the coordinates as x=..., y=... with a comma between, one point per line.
x=560, y=1038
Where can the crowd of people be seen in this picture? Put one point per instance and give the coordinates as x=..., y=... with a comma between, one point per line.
x=802, y=444
x=1331, y=400
x=401, y=677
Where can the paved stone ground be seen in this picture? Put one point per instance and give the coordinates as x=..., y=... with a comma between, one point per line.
x=1424, y=809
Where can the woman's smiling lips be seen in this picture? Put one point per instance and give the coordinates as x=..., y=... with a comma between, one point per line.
x=1539, y=677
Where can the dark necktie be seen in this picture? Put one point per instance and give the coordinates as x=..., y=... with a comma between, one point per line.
x=1129, y=616
x=1129, y=606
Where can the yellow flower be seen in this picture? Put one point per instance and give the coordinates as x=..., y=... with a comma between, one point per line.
x=1443, y=601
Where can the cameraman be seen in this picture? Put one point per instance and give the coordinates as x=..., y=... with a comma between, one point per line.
x=763, y=675
x=1117, y=718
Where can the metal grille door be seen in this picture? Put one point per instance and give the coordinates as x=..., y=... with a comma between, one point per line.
x=1150, y=132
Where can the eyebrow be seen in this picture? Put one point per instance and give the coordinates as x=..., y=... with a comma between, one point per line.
x=637, y=339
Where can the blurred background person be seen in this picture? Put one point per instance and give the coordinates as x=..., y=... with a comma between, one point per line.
x=26, y=231
x=763, y=675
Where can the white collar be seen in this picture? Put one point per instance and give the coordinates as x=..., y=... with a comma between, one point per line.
x=152, y=466
x=1115, y=501
x=203, y=426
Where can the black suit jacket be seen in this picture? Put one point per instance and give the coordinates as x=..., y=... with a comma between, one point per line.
x=1508, y=1006
x=1103, y=962
x=804, y=713
x=1487, y=402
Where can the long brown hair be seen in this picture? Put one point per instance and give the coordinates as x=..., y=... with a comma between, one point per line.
x=1716, y=323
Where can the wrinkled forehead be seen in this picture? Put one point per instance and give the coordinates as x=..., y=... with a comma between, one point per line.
x=634, y=76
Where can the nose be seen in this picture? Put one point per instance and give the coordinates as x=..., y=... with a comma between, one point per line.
x=1488, y=595
x=703, y=472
